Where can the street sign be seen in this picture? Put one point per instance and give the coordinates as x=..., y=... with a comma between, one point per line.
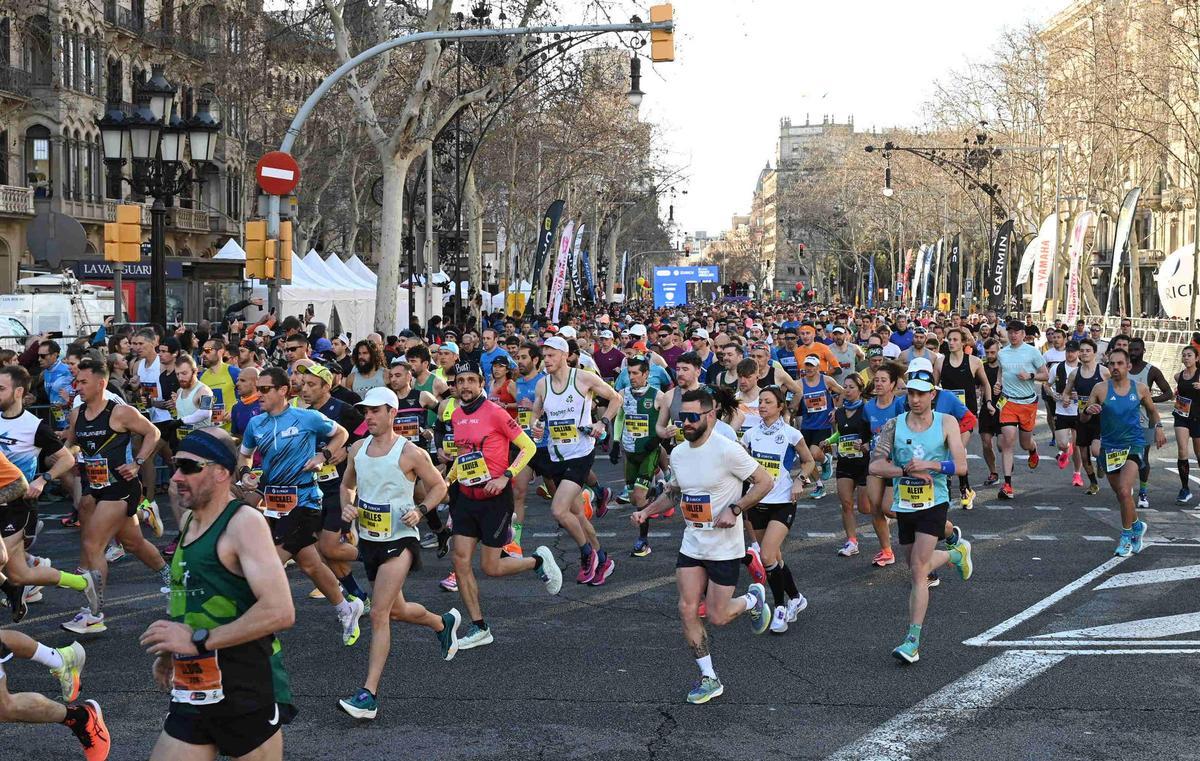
x=968, y=287
x=278, y=173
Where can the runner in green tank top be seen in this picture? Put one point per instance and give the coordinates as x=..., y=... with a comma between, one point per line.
x=218, y=655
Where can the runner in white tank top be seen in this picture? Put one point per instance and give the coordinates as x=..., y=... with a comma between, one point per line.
x=567, y=410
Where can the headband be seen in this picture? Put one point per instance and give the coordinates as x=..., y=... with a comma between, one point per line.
x=209, y=447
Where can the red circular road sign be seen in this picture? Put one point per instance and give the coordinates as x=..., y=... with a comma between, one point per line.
x=278, y=173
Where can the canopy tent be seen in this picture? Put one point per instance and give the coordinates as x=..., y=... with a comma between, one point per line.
x=231, y=250
x=355, y=265
x=334, y=263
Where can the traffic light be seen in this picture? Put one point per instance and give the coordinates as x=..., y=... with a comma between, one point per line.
x=256, y=249
x=123, y=238
x=283, y=255
x=662, y=41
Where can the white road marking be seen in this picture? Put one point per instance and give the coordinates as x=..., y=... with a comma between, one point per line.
x=1146, y=628
x=1156, y=576
x=914, y=732
x=822, y=534
x=1098, y=509
x=1088, y=538
x=1041, y=538
x=1053, y=508
x=998, y=507
x=983, y=536
x=1192, y=478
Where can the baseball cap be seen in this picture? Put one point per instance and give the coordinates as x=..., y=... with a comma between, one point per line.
x=380, y=396
x=400, y=361
x=557, y=342
x=566, y=331
x=920, y=330
x=333, y=367
x=467, y=366
x=323, y=344
x=406, y=333
x=700, y=333
x=919, y=380
x=343, y=338
x=321, y=371
x=1072, y=346
x=812, y=359
x=920, y=364
x=638, y=330
x=449, y=346
x=262, y=330
x=839, y=329
x=756, y=326
x=874, y=351
x=606, y=334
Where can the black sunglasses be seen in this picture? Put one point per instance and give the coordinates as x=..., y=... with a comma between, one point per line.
x=188, y=466
x=264, y=389
x=693, y=417
x=44, y=356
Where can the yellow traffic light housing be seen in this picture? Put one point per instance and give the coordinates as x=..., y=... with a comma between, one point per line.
x=284, y=253
x=123, y=238
x=662, y=41
x=256, y=251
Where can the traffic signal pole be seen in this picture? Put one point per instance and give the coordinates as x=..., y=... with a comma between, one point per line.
x=662, y=49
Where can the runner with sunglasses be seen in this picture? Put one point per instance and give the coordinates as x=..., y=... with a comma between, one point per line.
x=287, y=439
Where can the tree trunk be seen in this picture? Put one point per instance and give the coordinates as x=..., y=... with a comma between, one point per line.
x=614, y=267
x=473, y=208
x=391, y=234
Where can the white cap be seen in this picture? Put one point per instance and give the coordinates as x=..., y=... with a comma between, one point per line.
x=839, y=329
x=380, y=396
x=637, y=330
x=566, y=331
x=812, y=359
x=605, y=334
x=557, y=342
x=756, y=326
x=920, y=363
x=700, y=333
x=262, y=330
x=345, y=339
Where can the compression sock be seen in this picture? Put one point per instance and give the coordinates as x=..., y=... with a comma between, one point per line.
x=352, y=587
x=1008, y=480
x=644, y=529
x=48, y=657
x=1185, y=469
x=914, y=631
x=775, y=581
x=516, y=529
x=585, y=552
x=538, y=562
x=964, y=482
x=789, y=584
x=71, y=581
x=706, y=667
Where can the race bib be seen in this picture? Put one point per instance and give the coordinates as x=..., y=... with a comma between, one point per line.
x=59, y=416
x=408, y=425
x=472, y=470
x=278, y=501
x=678, y=431
x=449, y=445
x=563, y=431
x=374, y=520
x=814, y=403
x=962, y=395
x=1115, y=459
x=848, y=446
x=769, y=461
x=149, y=394
x=525, y=418
x=96, y=470
x=697, y=511
x=328, y=472
x=197, y=680
x=219, y=415
x=914, y=494
x=1183, y=406
x=1003, y=400
x=638, y=425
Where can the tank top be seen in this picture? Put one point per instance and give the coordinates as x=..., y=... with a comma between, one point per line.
x=1120, y=427
x=913, y=494
x=1059, y=374
x=224, y=393
x=364, y=383
x=750, y=416
x=1143, y=378
x=204, y=595
x=852, y=427
x=816, y=405
x=149, y=378
x=185, y=405
x=1084, y=385
x=960, y=381
x=445, y=431
x=1185, y=396
x=101, y=449
x=409, y=416
x=846, y=358
x=384, y=494
x=566, y=411
x=641, y=418
x=526, y=394
x=503, y=397
x=427, y=385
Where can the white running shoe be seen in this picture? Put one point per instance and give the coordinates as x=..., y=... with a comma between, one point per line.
x=114, y=553
x=349, y=622
x=85, y=623
x=794, y=607
x=779, y=621
x=153, y=517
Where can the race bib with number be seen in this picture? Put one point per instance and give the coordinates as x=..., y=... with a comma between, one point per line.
x=525, y=418
x=96, y=470
x=449, y=445
x=961, y=393
x=149, y=394
x=408, y=425
x=771, y=462
x=638, y=425
x=848, y=446
x=59, y=416
x=1115, y=459
x=219, y=415
x=563, y=431
x=197, y=680
x=375, y=520
x=278, y=501
x=814, y=403
x=1183, y=406
x=678, y=431
x=472, y=470
x=914, y=494
x=697, y=511
x=328, y=472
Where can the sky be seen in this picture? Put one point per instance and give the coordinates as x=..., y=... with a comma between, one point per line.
x=742, y=65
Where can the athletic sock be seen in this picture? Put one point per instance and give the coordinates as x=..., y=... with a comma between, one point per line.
x=789, y=584
x=585, y=552
x=750, y=600
x=71, y=581
x=601, y=556
x=706, y=667
x=955, y=553
x=964, y=482
x=516, y=529
x=1092, y=478
x=351, y=586
x=342, y=608
x=1008, y=480
x=480, y=623
x=48, y=657
x=775, y=581
x=1185, y=470
x=538, y=562
x=914, y=631
x=644, y=529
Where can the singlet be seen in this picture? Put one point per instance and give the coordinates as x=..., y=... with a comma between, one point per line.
x=641, y=418
x=427, y=385
x=385, y=495
x=852, y=427
x=502, y=397
x=204, y=595
x=992, y=372
x=787, y=360
x=566, y=411
x=1085, y=384
x=482, y=438
x=914, y=494
x=364, y=383
x=1186, y=395
x=749, y=412
x=816, y=405
x=774, y=448
x=845, y=358
x=409, y=417
x=221, y=380
x=185, y=406
x=24, y=439
x=960, y=381
x=287, y=442
x=1143, y=377
x=526, y=394
x=149, y=378
x=101, y=449
x=878, y=416
x=1120, y=427
x=329, y=477
x=1059, y=374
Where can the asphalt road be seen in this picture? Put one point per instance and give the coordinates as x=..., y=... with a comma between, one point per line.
x=602, y=672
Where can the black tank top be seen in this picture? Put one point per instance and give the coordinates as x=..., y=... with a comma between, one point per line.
x=768, y=379
x=1083, y=385
x=1186, y=390
x=101, y=449
x=409, y=416
x=993, y=375
x=960, y=379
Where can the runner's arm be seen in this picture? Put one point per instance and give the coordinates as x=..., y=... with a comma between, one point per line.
x=136, y=423
x=881, y=458
x=346, y=492
x=527, y=449
x=203, y=411
x=1157, y=378
x=272, y=611
x=663, y=425
x=761, y=484
x=416, y=461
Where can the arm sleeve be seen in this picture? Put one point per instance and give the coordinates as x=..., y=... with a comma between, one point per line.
x=526, y=451
x=203, y=412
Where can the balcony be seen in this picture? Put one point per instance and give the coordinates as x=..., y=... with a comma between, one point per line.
x=222, y=225
x=193, y=220
x=123, y=18
x=16, y=201
x=193, y=48
x=110, y=211
x=14, y=81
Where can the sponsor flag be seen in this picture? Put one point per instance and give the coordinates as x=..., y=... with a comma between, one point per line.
x=998, y=267
x=1046, y=249
x=559, y=283
x=1121, y=244
x=545, y=241
x=954, y=269
x=1078, y=233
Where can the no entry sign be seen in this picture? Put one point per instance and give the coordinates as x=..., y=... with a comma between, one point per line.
x=278, y=173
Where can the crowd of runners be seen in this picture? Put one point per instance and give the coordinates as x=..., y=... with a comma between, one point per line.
x=242, y=450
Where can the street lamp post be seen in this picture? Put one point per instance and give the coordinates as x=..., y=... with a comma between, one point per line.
x=153, y=138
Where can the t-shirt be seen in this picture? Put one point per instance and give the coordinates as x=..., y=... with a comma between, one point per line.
x=488, y=357
x=24, y=440
x=287, y=441
x=672, y=355
x=1022, y=359
x=609, y=362
x=829, y=364
x=774, y=447
x=710, y=478
x=482, y=438
x=846, y=357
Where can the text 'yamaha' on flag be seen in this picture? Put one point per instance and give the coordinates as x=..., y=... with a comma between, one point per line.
x=545, y=240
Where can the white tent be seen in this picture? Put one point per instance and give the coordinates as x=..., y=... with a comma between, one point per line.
x=355, y=265
x=231, y=250
x=336, y=265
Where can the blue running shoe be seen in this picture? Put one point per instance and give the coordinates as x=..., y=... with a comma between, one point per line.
x=909, y=650
x=362, y=706
x=1125, y=545
x=706, y=689
x=760, y=614
x=1139, y=531
x=1183, y=497
x=827, y=468
x=818, y=492
x=641, y=548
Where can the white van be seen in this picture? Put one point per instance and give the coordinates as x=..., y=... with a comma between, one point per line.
x=47, y=303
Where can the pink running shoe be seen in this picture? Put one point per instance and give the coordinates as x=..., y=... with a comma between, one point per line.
x=1077, y=479
x=450, y=583
x=603, y=572
x=1063, y=458
x=588, y=572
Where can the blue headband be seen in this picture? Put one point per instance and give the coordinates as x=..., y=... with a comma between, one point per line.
x=209, y=447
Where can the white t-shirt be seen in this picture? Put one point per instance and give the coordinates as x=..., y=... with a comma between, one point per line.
x=774, y=448
x=891, y=351
x=1059, y=407
x=726, y=430
x=710, y=479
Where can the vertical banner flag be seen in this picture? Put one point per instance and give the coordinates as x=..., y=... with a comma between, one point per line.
x=917, y=272
x=545, y=241
x=1043, y=265
x=1121, y=243
x=589, y=285
x=953, y=272
x=576, y=267
x=560, y=271
x=624, y=266
x=871, y=284
x=998, y=266
x=1078, y=233
x=931, y=271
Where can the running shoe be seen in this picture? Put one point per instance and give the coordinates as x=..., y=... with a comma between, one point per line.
x=603, y=572
x=429, y=541
x=760, y=614
x=882, y=558
x=448, y=636
x=92, y=732
x=513, y=550
x=587, y=568
x=349, y=621
x=968, y=498
x=153, y=517
x=362, y=706
x=932, y=581
x=758, y=572
x=32, y=595
x=605, y=497
x=70, y=521
x=964, y=564
x=443, y=542
x=450, y=583
x=32, y=540
x=475, y=637
x=641, y=548
x=549, y=573
x=316, y=594
x=623, y=497
x=849, y=549
x=586, y=496
x=1125, y=544
x=1077, y=479
x=544, y=492
x=85, y=623
x=1034, y=459
x=168, y=549
x=818, y=491
x=73, y=657
x=992, y=479
x=702, y=609
x=779, y=621
x=1139, y=532
x=92, y=590
x=1093, y=490
x=1006, y=492
x=1143, y=500
x=795, y=607
x=706, y=689
x=827, y=467
x=909, y=650
x=1184, y=496
x=1062, y=459
x=114, y=552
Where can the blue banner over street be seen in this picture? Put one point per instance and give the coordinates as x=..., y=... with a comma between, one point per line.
x=670, y=283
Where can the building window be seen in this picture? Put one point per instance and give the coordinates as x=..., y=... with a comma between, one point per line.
x=68, y=61
x=38, y=50
x=6, y=40
x=112, y=182
x=209, y=23
x=4, y=158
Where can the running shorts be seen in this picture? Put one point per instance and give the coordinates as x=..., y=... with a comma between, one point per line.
x=968, y=423
x=17, y=516
x=1191, y=424
x=1022, y=415
x=1065, y=422
x=296, y=530
x=640, y=468
x=575, y=470
x=487, y=520
x=233, y=735
x=129, y=492
x=331, y=510
x=375, y=554
x=762, y=514
x=1087, y=431
x=931, y=521
x=720, y=572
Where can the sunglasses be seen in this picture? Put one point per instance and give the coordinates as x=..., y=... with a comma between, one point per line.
x=188, y=466
x=693, y=417
x=265, y=389
x=44, y=356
